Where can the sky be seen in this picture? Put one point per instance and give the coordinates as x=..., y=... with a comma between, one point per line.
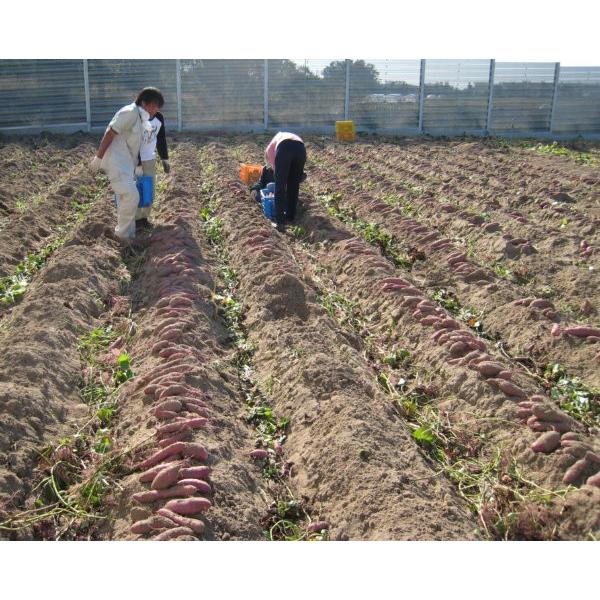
x=511, y=30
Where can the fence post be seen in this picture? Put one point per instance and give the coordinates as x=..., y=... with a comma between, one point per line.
x=347, y=93
x=421, y=94
x=488, y=120
x=178, y=82
x=554, y=94
x=266, y=96
x=86, y=85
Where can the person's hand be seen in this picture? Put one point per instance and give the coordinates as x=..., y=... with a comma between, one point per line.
x=95, y=164
x=139, y=171
x=166, y=166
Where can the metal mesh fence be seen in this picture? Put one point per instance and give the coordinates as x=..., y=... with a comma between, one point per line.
x=403, y=96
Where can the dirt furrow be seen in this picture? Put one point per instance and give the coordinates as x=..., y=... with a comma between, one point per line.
x=30, y=164
x=353, y=457
x=40, y=369
x=559, y=265
x=524, y=325
x=183, y=357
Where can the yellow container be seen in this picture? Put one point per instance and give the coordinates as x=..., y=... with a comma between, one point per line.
x=345, y=131
x=250, y=174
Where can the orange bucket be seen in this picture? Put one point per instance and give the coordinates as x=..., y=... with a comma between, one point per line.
x=250, y=174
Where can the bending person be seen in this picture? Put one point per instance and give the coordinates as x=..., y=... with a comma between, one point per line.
x=286, y=154
x=118, y=155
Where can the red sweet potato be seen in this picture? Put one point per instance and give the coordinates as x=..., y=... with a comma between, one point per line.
x=489, y=369
x=541, y=303
x=166, y=477
x=202, y=486
x=173, y=534
x=171, y=404
x=429, y=320
x=175, y=491
x=594, y=480
x=152, y=524
x=195, y=472
x=159, y=456
x=511, y=389
x=547, y=442
x=259, y=453
x=195, y=525
x=151, y=473
x=156, y=348
x=582, y=331
x=189, y=506
x=195, y=450
x=165, y=415
x=458, y=349
x=176, y=437
x=318, y=526
x=576, y=471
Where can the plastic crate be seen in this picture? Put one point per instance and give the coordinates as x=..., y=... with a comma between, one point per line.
x=345, y=131
x=146, y=189
x=250, y=174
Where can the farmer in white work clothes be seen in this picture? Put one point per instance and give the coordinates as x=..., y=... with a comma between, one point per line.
x=119, y=151
x=154, y=140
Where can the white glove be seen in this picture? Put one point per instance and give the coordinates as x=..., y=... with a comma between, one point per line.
x=166, y=166
x=96, y=164
x=139, y=171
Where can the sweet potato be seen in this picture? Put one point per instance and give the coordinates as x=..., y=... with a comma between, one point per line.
x=545, y=412
x=175, y=491
x=202, y=486
x=151, y=473
x=166, y=477
x=541, y=303
x=172, y=334
x=175, y=390
x=189, y=506
x=156, y=348
x=175, y=437
x=197, y=409
x=429, y=320
x=172, y=427
x=458, y=349
x=576, y=471
x=165, y=415
x=159, y=456
x=171, y=404
x=593, y=458
x=594, y=480
x=156, y=522
x=150, y=390
x=173, y=534
x=259, y=453
x=318, y=526
x=195, y=525
x=505, y=375
x=547, y=442
x=195, y=472
x=448, y=324
x=489, y=369
x=582, y=331
x=180, y=301
x=195, y=450
x=511, y=389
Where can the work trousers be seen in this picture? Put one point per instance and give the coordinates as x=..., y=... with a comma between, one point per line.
x=289, y=166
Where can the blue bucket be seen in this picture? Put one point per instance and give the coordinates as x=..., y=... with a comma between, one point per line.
x=146, y=190
x=271, y=187
x=268, y=204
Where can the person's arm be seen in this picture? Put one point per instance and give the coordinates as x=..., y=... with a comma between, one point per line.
x=270, y=153
x=105, y=142
x=109, y=136
x=161, y=139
